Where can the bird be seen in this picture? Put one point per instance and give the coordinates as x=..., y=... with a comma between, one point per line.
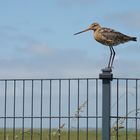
x=108, y=37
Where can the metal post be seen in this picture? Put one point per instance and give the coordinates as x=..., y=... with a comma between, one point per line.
x=106, y=77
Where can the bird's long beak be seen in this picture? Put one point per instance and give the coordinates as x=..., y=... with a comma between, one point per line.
x=82, y=31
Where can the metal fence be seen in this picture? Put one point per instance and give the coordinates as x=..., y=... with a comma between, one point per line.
x=125, y=109
x=70, y=109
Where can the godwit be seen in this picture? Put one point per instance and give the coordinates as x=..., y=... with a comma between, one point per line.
x=108, y=37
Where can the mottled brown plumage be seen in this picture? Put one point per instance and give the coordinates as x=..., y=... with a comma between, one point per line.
x=108, y=37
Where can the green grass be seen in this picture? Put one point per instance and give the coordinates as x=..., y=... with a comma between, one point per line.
x=63, y=135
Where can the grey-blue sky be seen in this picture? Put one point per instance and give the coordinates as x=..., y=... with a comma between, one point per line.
x=36, y=41
x=36, y=37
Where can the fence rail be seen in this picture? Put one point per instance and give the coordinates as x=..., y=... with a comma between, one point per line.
x=69, y=109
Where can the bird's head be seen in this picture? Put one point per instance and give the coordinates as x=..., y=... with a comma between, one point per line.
x=93, y=27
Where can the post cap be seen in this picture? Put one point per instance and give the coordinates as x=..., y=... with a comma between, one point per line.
x=106, y=74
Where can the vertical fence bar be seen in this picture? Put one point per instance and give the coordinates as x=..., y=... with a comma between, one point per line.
x=5, y=107
x=96, y=109
x=14, y=109
x=41, y=105
x=126, y=109
x=23, y=109
x=87, y=109
x=69, y=109
x=117, y=108
x=59, y=109
x=106, y=77
x=136, y=110
x=78, y=111
x=32, y=110
x=50, y=110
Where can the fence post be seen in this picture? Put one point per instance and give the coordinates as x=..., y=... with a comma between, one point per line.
x=106, y=77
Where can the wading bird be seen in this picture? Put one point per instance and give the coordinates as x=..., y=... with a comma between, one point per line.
x=108, y=37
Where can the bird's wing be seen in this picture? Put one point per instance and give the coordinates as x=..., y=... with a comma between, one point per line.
x=112, y=35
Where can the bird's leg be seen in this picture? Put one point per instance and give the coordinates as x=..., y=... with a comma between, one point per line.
x=110, y=58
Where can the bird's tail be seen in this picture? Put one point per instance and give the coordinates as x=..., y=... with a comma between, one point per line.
x=134, y=38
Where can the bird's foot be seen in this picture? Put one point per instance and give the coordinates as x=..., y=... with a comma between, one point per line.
x=110, y=67
x=107, y=69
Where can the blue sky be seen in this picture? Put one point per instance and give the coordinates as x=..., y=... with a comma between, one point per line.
x=37, y=41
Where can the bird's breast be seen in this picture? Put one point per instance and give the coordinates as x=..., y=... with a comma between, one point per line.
x=99, y=38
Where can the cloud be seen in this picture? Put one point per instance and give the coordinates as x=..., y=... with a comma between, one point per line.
x=7, y=28
x=126, y=68
x=129, y=19
x=45, y=62
x=36, y=49
x=10, y=34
